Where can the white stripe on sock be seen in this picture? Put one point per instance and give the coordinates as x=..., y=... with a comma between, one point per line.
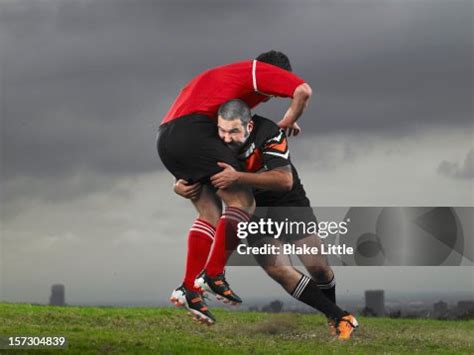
x=232, y=218
x=238, y=211
x=204, y=226
x=301, y=286
x=203, y=232
x=328, y=285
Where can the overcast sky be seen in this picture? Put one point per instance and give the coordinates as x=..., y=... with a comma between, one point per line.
x=84, y=85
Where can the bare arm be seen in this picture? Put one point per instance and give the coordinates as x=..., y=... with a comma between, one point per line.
x=300, y=101
x=276, y=179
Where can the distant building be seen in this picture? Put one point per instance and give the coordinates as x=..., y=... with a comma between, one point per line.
x=465, y=307
x=440, y=310
x=375, y=303
x=57, y=297
x=273, y=307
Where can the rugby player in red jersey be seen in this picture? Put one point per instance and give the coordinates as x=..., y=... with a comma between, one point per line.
x=262, y=148
x=190, y=149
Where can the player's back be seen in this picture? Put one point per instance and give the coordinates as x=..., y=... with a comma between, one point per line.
x=210, y=89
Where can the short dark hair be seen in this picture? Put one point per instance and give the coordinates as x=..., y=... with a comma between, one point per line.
x=235, y=109
x=276, y=58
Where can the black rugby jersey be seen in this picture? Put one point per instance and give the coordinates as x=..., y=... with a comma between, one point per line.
x=266, y=149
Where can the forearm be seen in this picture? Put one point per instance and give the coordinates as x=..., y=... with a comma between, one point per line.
x=268, y=180
x=298, y=103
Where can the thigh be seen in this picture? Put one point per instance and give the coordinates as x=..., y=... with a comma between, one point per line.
x=299, y=221
x=261, y=240
x=268, y=261
x=301, y=236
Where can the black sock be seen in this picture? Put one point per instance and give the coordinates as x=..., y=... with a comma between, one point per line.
x=307, y=291
x=329, y=289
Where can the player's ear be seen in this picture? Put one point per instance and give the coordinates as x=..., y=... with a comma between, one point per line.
x=250, y=126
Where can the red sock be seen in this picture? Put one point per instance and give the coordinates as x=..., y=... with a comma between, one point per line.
x=226, y=239
x=200, y=238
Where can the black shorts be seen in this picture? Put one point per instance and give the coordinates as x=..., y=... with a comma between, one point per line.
x=299, y=220
x=190, y=148
x=296, y=197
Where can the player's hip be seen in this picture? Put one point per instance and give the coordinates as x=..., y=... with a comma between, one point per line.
x=190, y=148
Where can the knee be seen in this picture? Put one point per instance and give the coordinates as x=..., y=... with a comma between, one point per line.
x=251, y=205
x=210, y=216
x=238, y=197
x=321, y=274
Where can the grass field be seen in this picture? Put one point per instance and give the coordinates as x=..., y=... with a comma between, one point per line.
x=170, y=331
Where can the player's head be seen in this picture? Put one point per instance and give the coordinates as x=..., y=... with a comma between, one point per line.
x=234, y=123
x=276, y=58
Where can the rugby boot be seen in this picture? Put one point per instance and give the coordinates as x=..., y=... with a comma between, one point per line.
x=194, y=302
x=346, y=326
x=218, y=286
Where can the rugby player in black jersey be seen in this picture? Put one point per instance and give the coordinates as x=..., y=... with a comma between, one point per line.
x=262, y=148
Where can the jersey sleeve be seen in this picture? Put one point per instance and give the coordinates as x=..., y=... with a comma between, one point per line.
x=271, y=80
x=275, y=151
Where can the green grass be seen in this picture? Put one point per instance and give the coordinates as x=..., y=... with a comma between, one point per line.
x=171, y=331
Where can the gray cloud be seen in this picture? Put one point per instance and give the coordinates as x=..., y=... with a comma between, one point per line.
x=456, y=170
x=85, y=84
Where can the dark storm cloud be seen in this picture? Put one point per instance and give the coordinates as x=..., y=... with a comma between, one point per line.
x=85, y=83
x=465, y=170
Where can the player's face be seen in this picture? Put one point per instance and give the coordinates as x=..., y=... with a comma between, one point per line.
x=233, y=133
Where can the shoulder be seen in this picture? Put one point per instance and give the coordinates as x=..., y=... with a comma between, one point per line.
x=265, y=124
x=270, y=69
x=241, y=65
x=265, y=130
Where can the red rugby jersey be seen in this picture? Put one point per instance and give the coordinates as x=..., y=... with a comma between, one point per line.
x=251, y=81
